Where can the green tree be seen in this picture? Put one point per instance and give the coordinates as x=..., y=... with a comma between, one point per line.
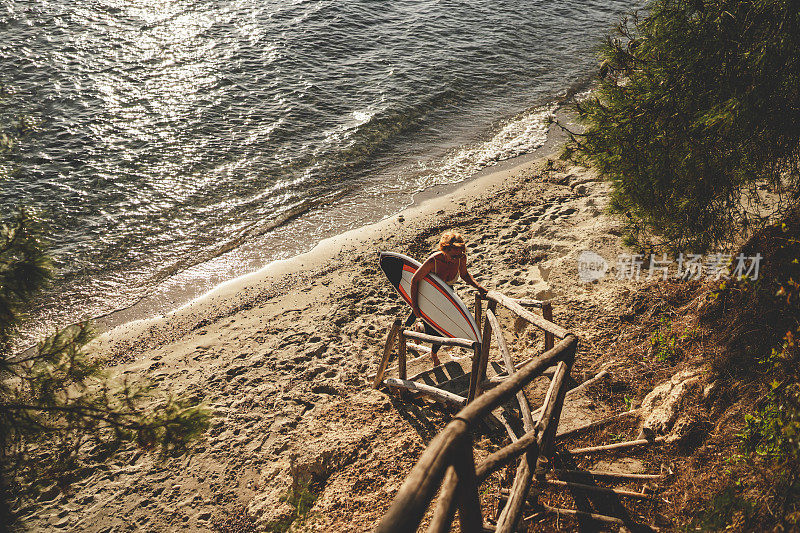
x=698, y=105
x=57, y=405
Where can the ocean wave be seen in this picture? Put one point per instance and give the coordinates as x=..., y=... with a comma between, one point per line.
x=174, y=134
x=517, y=136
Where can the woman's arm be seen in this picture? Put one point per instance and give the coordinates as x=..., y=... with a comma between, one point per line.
x=466, y=276
x=419, y=275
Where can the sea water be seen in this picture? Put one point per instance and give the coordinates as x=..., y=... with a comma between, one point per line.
x=198, y=140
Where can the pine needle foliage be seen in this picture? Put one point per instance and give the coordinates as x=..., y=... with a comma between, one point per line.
x=55, y=398
x=697, y=106
x=58, y=407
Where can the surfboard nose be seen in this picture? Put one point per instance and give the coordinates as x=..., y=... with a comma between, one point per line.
x=393, y=268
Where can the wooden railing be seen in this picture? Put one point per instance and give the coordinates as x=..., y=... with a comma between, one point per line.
x=448, y=461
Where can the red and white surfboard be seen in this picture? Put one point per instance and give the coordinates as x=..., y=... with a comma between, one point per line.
x=440, y=306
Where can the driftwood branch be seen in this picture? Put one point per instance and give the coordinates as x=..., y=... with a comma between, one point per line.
x=593, y=488
x=579, y=388
x=602, y=473
x=618, y=446
x=589, y=382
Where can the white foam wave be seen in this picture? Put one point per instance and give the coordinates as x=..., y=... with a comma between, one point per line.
x=517, y=136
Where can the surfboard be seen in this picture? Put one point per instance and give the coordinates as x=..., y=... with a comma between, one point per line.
x=439, y=305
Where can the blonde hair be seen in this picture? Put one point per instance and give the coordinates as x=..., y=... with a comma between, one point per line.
x=452, y=239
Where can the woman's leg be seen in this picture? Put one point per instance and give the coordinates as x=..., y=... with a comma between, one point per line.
x=434, y=346
x=430, y=331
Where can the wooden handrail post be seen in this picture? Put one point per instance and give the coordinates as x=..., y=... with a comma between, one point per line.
x=478, y=308
x=446, y=504
x=547, y=313
x=524, y=407
x=449, y=457
x=476, y=363
x=469, y=505
x=509, y=517
x=551, y=411
x=387, y=351
x=421, y=484
x=487, y=343
x=401, y=355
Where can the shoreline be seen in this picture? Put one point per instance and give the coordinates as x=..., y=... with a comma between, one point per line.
x=146, y=318
x=282, y=356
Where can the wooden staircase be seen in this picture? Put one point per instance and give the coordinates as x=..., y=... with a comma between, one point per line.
x=493, y=392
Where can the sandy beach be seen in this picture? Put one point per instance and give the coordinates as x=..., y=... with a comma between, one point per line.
x=198, y=334
x=282, y=357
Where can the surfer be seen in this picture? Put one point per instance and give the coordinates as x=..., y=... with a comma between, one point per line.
x=448, y=263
